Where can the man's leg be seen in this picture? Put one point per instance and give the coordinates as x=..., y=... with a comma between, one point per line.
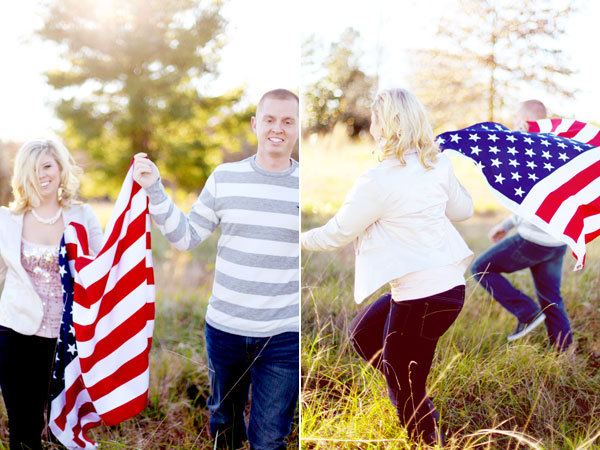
x=275, y=388
x=547, y=277
x=507, y=256
x=229, y=384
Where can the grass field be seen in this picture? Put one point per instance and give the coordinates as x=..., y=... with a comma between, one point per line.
x=491, y=395
x=176, y=416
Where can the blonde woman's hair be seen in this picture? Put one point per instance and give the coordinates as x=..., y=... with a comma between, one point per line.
x=25, y=182
x=405, y=127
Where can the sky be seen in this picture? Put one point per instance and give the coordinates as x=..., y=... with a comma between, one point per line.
x=265, y=37
x=389, y=30
x=263, y=53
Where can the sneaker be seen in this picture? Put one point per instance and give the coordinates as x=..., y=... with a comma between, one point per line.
x=525, y=327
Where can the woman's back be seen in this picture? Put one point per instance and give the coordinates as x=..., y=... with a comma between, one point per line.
x=416, y=200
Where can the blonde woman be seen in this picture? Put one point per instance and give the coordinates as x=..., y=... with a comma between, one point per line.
x=398, y=214
x=44, y=187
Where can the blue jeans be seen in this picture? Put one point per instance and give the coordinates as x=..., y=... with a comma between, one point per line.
x=399, y=338
x=515, y=253
x=271, y=366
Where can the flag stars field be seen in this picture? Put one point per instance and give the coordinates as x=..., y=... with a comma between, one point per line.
x=512, y=143
x=561, y=157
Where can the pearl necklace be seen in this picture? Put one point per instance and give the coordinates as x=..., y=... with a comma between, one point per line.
x=50, y=221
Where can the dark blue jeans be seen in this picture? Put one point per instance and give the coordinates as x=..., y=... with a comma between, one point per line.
x=271, y=366
x=25, y=367
x=515, y=253
x=399, y=338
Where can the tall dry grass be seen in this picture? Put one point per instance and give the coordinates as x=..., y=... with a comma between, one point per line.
x=491, y=394
x=176, y=416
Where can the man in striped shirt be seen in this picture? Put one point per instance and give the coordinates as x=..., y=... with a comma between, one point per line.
x=252, y=320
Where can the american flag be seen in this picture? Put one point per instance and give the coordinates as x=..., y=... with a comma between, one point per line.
x=101, y=368
x=550, y=176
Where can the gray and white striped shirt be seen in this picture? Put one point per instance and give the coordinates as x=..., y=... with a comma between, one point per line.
x=256, y=286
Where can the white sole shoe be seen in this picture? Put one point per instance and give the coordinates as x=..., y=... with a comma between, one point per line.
x=530, y=326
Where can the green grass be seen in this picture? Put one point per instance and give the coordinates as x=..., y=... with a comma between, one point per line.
x=176, y=416
x=491, y=394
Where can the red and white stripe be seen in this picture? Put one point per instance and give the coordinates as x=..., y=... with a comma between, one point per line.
x=113, y=315
x=567, y=203
x=569, y=128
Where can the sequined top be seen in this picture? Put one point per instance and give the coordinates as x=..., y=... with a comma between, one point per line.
x=41, y=264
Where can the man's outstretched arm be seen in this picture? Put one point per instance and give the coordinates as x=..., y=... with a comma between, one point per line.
x=184, y=232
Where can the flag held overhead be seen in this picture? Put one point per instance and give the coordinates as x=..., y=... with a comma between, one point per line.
x=550, y=176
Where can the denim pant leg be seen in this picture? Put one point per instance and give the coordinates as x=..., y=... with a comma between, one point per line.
x=366, y=331
x=25, y=367
x=229, y=385
x=506, y=256
x=412, y=333
x=547, y=278
x=275, y=387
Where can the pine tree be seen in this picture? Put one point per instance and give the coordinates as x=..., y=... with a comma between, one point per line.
x=131, y=85
x=489, y=54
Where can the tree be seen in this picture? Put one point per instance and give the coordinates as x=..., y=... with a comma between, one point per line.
x=487, y=53
x=344, y=92
x=5, y=172
x=130, y=85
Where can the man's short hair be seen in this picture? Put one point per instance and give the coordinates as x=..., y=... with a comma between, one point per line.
x=537, y=110
x=279, y=94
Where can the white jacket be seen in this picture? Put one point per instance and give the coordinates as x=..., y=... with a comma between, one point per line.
x=20, y=306
x=399, y=217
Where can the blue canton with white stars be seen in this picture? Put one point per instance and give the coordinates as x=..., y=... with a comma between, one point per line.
x=66, y=349
x=512, y=161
